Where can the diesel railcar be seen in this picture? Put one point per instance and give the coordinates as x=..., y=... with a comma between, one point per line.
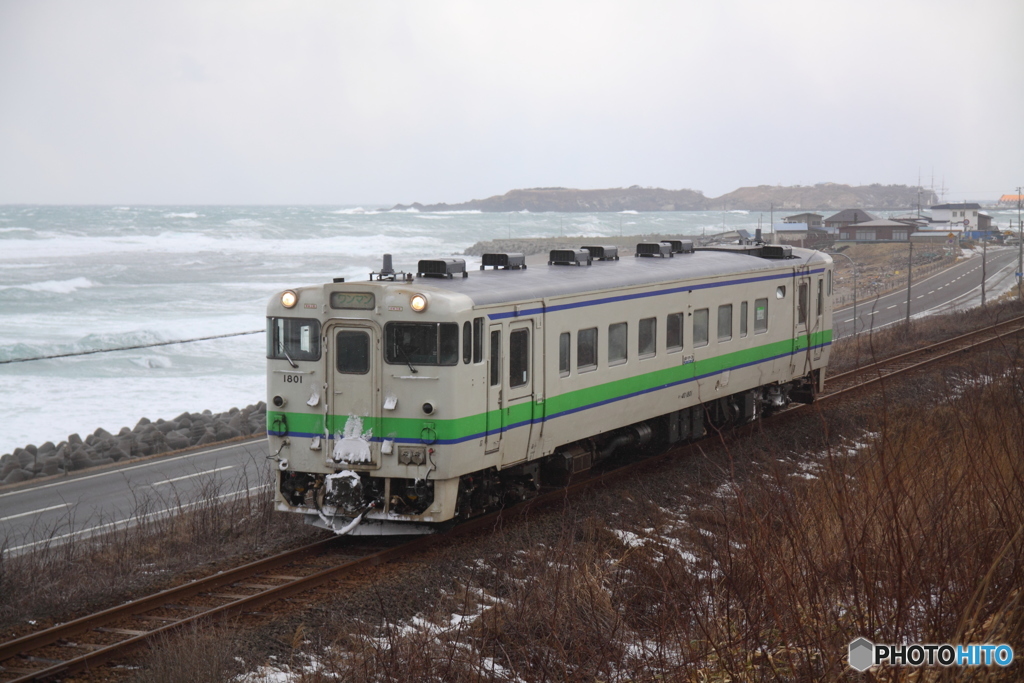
x=413, y=399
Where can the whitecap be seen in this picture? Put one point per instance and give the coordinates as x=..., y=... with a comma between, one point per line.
x=358, y=210
x=16, y=229
x=456, y=213
x=188, y=214
x=629, y=211
x=245, y=223
x=55, y=286
x=739, y=211
x=411, y=209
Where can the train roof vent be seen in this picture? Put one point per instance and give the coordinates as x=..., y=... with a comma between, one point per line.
x=513, y=261
x=441, y=267
x=776, y=251
x=569, y=257
x=604, y=253
x=680, y=246
x=653, y=249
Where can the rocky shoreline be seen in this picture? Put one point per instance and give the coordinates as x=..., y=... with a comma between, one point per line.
x=188, y=430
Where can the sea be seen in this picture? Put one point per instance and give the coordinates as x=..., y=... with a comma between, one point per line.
x=92, y=278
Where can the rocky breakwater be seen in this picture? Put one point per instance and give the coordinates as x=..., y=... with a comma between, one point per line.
x=188, y=430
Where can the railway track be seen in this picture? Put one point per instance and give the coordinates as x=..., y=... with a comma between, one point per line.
x=90, y=641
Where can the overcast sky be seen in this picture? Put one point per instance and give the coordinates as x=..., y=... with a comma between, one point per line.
x=378, y=102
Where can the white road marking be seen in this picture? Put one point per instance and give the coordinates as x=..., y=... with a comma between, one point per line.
x=122, y=470
x=891, y=307
x=189, y=476
x=125, y=522
x=33, y=512
x=921, y=297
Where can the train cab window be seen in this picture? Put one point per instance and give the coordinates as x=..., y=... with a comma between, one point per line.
x=421, y=343
x=743, y=319
x=618, y=335
x=518, y=358
x=700, y=327
x=674, y=332
x=353, y=350
x=478, y=339
x=821, y=296
x=495, y=358
x=564, y=342
x=648, y=346
x=586, y=349
x=802, y=303
x=760, y=316
x=293, y=338
x=725, y=323
x=467, y=342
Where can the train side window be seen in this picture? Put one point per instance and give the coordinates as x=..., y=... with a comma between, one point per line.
x=648, y=346
x=353, y=349
x=478, y=339
x=586, y=349
x=518, y=358
x=564, y=341
x=760, y=316
x=780, y=292
x=467, y=342
x=743, y=319
x=829, y=282
x=725, y=322
x=618, y=334
x=821, y=296
x=495, y=358
x=802, y=303
x=449, y=343
x=700, y=327
x=674, y=332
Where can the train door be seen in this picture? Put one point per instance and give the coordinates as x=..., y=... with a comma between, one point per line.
x=802, y=317
x=492, y=440
x=819, y=315
x=517, y=411
x=352, y=401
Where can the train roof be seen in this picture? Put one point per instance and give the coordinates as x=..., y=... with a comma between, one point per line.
x=488, y=287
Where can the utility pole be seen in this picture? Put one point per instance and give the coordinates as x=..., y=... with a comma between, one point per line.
x=984, y=259
x=1020, y=249
x=910, y=265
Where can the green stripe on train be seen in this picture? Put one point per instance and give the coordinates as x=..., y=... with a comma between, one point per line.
x=460, y=428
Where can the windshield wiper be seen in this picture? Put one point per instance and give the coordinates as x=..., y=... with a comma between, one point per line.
x=280, y=346
x=401, y=350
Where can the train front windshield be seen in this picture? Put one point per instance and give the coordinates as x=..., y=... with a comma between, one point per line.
x=293, y=338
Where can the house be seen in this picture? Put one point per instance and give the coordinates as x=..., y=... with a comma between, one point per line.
x=879, y=230
x=799, y=234
x=964, y=213
x=1011, y=199
x=812, y=220
x=848, y=217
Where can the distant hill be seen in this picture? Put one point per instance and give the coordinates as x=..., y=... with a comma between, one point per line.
x=824, y=196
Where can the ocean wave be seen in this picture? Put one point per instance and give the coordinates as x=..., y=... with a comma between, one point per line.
x=456, y=213
x=189, y=214
x=357, y=211
x=739, y=211
x=411, y=209
x=629, y=211
x=16, y=230
x=54, y=286
x=245, y=223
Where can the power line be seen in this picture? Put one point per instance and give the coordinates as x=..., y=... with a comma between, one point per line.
x=129, y=348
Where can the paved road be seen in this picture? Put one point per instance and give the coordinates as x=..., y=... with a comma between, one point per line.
x=79, y=506
x=947, y=290
x=82, y=505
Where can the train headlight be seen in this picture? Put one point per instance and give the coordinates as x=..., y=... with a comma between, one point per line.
x=289, y=299
x=418, y=303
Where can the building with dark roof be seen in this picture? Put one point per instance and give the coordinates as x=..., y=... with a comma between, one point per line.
x=882, y=229
x=964, y=213
x=812, y=220
x=848, y=217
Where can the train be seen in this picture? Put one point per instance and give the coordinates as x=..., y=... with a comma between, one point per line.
x=405, y=402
